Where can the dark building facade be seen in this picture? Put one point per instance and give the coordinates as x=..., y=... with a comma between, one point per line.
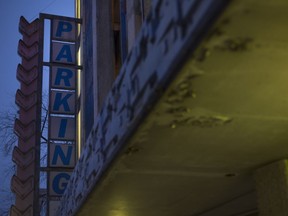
x=182, y=109
x=194, y=121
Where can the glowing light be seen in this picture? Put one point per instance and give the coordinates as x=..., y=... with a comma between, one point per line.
x=79, y=114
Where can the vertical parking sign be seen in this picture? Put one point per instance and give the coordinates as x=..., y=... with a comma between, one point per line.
x=62, y=106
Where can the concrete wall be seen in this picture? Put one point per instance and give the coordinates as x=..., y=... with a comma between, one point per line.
x=272, y=189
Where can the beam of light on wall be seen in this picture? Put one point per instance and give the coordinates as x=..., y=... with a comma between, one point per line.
x=79, y=115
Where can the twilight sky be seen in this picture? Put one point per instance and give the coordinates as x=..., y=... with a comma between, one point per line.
x=11, y=11
x=9, y=36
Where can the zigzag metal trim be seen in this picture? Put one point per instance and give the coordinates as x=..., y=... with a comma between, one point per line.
x=29, y=49
x=22, y=188
x=23, y=159
x=14, y=211
x=30, y=40
x=28, y=28
x=26, y=76
x=25, y=101
x=28, y=52
x=24, y=131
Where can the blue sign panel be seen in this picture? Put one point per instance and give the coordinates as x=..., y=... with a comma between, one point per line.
x=62, y=155
x=62, y=128
x=63, y=77
x=64, y=30
x=62, y=102
x=63, y=53
x=58, y=182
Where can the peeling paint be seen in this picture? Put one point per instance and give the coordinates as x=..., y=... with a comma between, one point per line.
x=237, y=44
x=202, y=121
x=132, y=150
x=183, y=89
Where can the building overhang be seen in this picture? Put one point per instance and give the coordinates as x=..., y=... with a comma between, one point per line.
x=190, y=117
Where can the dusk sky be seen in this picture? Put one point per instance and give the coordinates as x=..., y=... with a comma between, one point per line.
x=11, y=11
